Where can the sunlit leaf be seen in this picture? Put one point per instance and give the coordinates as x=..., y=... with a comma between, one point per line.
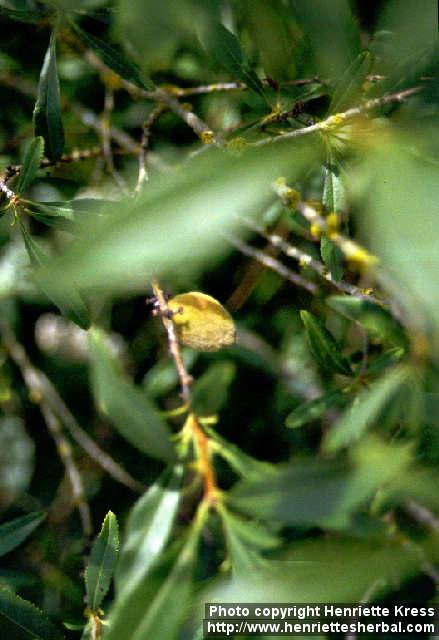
x=13, y=532
x=400, y=218
x=148, y=528
x=158, y=604
x=47, y=112
x=123, y=249
x=334, y=192
x=102, y=562
x=127, y=406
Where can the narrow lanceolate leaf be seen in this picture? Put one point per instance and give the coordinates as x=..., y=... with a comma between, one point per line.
x=47, y=112
x=321, y=492
x=24, y=620
x=364, y=411
x=13, y=533
x=323, y=346
x=149, y=526
x=246, y=541
x=127, y=407
x=31, y=164
x=334, y=193
x=210, y=391
x=114, y=59
x=102, y=562
x=376, y=320
x=158, y=605
x=64, y=295
x=23, y=15
x=332, y=257
x=68, y=214
x=224, y=48
x=348, y=89
x=314, y=409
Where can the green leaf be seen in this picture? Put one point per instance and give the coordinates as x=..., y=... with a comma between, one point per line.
x=243, y=464
x=64, y=295
x=333, y=257
x=114, y=59
x=210, y=391
x=102, y=562
x=13, y=533
x=224, y=48
x=332, y=34
x=120, y=251
x=162, y=378
x=23, y=15
x=348, y=89
x=47, y=112
x=401, y=192
x=323, y=346
x=24, y=619
x=246, y=541
x=158, y=604
x=364, y=411
x=377, y=321
x=321, y=492
x=148, y=529
x=67, y=214
x=127, y=406
x=334, y=193
x=31, y=164
x=314, y=409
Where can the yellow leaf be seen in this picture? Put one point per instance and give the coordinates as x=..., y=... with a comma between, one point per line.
x=202, y=322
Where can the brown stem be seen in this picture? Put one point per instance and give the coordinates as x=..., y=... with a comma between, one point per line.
x=271, y=263
x=205, y=466
x=37, y=381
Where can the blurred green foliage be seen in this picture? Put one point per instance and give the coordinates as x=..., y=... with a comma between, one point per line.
x=145, y=140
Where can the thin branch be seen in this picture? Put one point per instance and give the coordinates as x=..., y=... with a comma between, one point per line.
x=38, y=381
x=65, y=453
x=422, y=515
x=106, y=139
x=87, y=117
x=271, y=263
x=144, y=145
x=174, y=347
x=292, y=251
x=334, y=121
x=319, y=225
x=203, y=131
